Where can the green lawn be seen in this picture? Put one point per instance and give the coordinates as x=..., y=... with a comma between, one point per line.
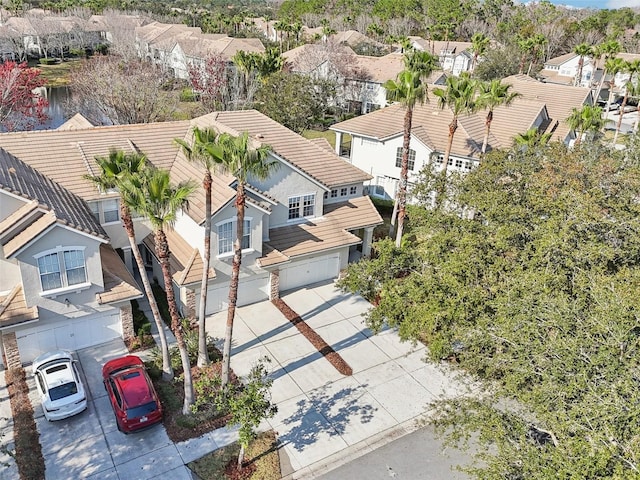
x=328, y=134
x=56, y=75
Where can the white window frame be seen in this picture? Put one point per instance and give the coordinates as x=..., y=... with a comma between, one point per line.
x=411, y=160
x=246, y=236
x=98, y=210
x=303, y=206
x=63, y=270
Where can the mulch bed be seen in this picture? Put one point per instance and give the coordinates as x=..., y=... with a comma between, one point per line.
x=196, y=424
x=316, y=340
x=28, y=453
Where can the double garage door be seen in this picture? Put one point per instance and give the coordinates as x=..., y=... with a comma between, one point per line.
x=250, y=290
x=308, y=271
x=70, y=334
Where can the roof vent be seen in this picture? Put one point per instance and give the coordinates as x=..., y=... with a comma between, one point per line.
x=260, y=136
x=12, y=170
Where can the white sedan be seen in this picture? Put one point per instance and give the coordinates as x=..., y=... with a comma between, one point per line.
x=61, y=391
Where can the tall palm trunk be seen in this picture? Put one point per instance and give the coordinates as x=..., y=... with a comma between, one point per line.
x=162, y=251
x=404, y=173
x=487, y=124
x=619, y=124
x=125, y=215
x=203, y=357
x=233, y=285
x=442, y=187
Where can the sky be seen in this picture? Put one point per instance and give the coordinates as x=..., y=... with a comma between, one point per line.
x=611, y=4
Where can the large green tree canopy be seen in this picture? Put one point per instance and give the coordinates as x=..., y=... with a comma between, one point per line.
x=531, y=286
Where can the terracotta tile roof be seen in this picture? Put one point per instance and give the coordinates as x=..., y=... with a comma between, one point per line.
x=381, y=69
x=14, y=310
x=553, y=76
x=322, y=143
x=64, y=207
x=319, y=234
x=308, y=57
x=353, y=214
x=557, y=61
x=628, y=57
x=185, y=262
x=119, y=284
x=431, y=125
x=18, y=216
x=559, y=99
x=47, y=150
x=437, y=46
x=28, y=234
x=326, y=167
x=353, y=38
x=77, y=122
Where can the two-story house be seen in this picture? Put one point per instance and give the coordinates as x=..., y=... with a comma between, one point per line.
x=564, y=69
x=375, y=140
x=62, y=284
x=302, y=224
x=453, y=57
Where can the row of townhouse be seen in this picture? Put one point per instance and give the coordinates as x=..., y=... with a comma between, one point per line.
x=38, y=34
x=67, y=274
x=175, y=47
x=375, y=140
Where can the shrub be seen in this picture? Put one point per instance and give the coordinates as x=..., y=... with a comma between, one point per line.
x=48, y=61
x=161, y=300
x=187, y=95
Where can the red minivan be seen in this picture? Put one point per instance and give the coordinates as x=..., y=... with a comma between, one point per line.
x=133, y=398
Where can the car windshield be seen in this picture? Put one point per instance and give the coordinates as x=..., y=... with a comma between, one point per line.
x=141, y=410
x=61, y=391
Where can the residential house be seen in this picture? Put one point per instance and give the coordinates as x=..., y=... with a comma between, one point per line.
x=564, y=69
x=62, y=283
x=375, y=140
x=454, y=57
x=302, y=225
x=175, y=47
x=360, y=77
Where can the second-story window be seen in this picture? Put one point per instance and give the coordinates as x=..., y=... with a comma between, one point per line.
x=227, y=235
x=412, y=158
x=62, y=268
x=302, y=206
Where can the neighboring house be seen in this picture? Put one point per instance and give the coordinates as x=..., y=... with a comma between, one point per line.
x=454, y=57
x=375, y=140
x=62, y=284
x=175, y=47
x=302, y=224
x=263, y=27
x=564, y=69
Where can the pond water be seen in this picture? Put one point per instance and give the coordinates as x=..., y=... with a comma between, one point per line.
x=57, y=97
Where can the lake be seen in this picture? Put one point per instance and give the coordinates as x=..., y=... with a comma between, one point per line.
x=57, y=97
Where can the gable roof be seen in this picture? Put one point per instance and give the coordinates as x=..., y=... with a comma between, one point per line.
x=14, y=310
x=119, y=284
x=430, y=125
x=320, y=234
x=61, y=205
x=559, y=99
x=557, y=61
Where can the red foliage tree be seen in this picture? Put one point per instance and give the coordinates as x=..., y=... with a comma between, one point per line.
x=21, y=108
x=209, y=80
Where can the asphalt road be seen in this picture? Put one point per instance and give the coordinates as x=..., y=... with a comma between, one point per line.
x=417, y=456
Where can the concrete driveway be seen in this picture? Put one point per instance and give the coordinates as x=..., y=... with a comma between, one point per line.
x=324, y=418
x=89, y=445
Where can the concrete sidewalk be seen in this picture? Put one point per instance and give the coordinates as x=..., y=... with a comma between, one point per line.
x=324, y=418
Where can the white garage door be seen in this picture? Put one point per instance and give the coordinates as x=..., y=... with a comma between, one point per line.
x=70, y=334
x=309, y=271
x=250, y=290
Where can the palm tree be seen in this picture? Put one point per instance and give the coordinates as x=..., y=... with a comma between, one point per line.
x=585, y=119
x=492, y=94
x=531, y=138
x=527, y=46
x=159, y=201
x=479, y=44
x=632, y=68
x=614, y=66
x=609, y=50
x=582, y=50
x=204, y=151
x=408, y=89
x=244, y=163
x=115, y=169
x=459, y=97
